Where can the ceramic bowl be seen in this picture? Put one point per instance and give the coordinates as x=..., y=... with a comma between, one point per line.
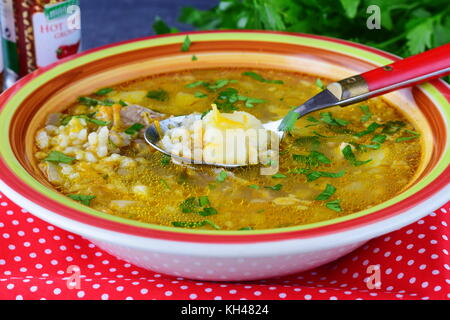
x=217, y=255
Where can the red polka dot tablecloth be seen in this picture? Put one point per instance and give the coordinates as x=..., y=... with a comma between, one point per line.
x=39, y=261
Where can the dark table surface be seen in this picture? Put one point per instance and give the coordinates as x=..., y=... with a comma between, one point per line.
x=107, y=21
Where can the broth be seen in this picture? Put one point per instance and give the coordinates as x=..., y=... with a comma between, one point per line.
x=333, y=163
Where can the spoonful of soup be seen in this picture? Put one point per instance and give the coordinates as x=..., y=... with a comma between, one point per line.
x=239, y=138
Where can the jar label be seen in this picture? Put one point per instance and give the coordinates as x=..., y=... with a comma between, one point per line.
x=55, y=36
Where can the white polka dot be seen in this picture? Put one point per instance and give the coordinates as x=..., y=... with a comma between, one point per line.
x=57, y=291
x=282, y=295
x=168, y=293
x=80, y=294
x=105, y=296
x=192, y=296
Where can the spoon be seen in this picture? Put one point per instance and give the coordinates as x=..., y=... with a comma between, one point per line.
x=404, y=73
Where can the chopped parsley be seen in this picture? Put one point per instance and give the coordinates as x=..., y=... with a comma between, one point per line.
x=222, y=176
x=312, y=175
x=279, y=176
x=314, y=141
x=392, y=127
x=327, y=193
x=288, y=122
x=350, y=156
x=200, y=94
x=186, y=44
x=59, y=157
x=196, y=84
x=276, y=187
x=104, y=91
x=83, y=199
x=314, y=159
x=194, y=58
x=245, y=229
x=260, y=78
x=366, y=113
x=328, y=118
x=160, y=95
x=165, y=160
x=334, y=205
x=254, y=186
x=370, y=129
x=319, y=84
x=134, y=129
x=414, y=135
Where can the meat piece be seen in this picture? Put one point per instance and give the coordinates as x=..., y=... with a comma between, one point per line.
x=137, y=114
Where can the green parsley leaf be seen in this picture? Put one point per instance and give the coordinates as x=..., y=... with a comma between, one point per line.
x=379, y=138
x=371, y=128
x=415, y=135
x=59, y=157
x=314, y=159
x=245, y=229
x=186, y=44
x=189, y=205
x=319, y=83
x=276, y=187
x=279, y=176
x=194, y=58
x=288, y=122
x=160, y=95
x=104, y=91
x=199, y=94
x=260, y=78
x=367, y=114
x=203, y=201
x=134, y=129
x=350, y=156
x=207, y=212
x=222, y=176
x=392, y=127
x=254, y=186
x=327, y=193
x=334, y=205
x=83, y=199
x=165, y=160
x=312, y=175
x=328, y=118
x=196, y=84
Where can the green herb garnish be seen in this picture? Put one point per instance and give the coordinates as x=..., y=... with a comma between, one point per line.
x=288, y=122
x=334, y=205
x=260, y=78
x=104, y=91
x=371, y=128
x=160, y=95
x=83, y=199
x=327, y=193
x=194, y=58
x=350, y=156
x=312, y=175
x=199, y=94
x=222, y=176
x=245, y=229
x=59, y=157
x=165, y=160
x=414, y=135
x=276, y=187
x=279, y=176
x=328, y=118
x=196, y=84
x=134, y=129
x=254, y=186
x=319, y=83
x=314, y=159
x=392, y=127
x=366, y=113
x=186, y=44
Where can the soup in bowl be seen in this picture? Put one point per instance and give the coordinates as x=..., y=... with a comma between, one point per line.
x=75, y=154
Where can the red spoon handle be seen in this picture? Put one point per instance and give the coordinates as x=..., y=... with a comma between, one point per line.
x=410, y=71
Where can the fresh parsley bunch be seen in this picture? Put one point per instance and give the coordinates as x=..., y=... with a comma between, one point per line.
x=407, y=27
